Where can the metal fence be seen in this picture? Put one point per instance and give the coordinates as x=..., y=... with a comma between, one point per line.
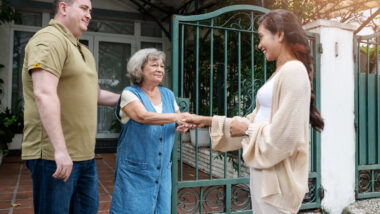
x=217, y=69
x=367, y=115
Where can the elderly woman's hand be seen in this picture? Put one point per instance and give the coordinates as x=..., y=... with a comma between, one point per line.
x=198, y=120
x=182, y=128
x=182, y=125
x=181, y=118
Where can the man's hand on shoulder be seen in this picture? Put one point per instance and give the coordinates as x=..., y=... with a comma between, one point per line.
x=107, y=98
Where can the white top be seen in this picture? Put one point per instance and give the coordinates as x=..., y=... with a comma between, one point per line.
x=264, y=98
x=127, y=97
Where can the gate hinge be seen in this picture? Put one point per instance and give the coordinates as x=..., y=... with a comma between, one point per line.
x=320, y=48
x=321, y=192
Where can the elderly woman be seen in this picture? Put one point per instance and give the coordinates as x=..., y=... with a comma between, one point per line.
x=148, y=113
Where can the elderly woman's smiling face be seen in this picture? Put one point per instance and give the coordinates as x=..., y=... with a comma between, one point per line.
x=153, y=71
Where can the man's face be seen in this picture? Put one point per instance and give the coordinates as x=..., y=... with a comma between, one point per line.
x=79, y=16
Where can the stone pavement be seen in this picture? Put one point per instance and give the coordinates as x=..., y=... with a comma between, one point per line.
x=16, y=195
x=16, y=191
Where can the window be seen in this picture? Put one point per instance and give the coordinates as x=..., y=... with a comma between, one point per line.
x=113, y=58
x=156, y=45
x=110, y=26
x=84, y=42
x=151, y=30
x=19, y=43
x=30, y=18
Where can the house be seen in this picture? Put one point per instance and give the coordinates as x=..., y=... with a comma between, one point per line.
x=117, y=30
x=121, y=27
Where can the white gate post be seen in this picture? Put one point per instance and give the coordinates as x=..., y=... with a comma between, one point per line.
x=338, y=111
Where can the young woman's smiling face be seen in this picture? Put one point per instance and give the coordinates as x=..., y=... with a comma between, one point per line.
x=270, y=44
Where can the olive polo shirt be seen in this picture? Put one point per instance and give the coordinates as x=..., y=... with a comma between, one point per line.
x=56, y=50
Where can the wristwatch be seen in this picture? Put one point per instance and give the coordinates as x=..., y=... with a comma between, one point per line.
x=246, y=132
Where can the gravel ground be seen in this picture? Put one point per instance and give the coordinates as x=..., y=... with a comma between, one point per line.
x=368, y=206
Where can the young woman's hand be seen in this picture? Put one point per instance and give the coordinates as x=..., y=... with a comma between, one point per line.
x=238, y=128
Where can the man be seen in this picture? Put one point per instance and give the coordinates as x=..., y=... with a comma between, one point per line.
x=61, y=93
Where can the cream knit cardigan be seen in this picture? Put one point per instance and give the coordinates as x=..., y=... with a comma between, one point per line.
x=281, y=147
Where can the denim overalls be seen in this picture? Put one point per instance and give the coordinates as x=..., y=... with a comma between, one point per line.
x=143, y=166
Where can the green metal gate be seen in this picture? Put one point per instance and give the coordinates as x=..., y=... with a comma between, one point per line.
x=367, y=115
x=217, y=69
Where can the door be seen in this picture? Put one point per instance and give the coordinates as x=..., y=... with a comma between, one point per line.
x=111, y=55
x=367, y=115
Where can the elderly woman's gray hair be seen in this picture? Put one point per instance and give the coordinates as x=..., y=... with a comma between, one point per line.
x=138, y=61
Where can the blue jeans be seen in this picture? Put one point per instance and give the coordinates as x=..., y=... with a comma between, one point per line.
x=79, y=194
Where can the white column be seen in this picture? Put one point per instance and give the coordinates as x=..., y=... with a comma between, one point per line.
x=338, y=111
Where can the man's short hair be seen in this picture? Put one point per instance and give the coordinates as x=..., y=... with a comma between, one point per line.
x=56, y=4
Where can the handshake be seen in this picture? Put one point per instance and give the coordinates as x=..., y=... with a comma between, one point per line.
x=186, y=121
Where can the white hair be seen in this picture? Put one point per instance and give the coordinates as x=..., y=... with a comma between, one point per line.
x=138, y=61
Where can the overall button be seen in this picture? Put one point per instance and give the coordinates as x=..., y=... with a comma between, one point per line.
x=156, y=182
x=158, y=167
x=159, y=153
x=162, y=124
x=160, y=138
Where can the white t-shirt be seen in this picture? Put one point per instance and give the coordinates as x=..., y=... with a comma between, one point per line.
x=264, y=98
x=127, y=97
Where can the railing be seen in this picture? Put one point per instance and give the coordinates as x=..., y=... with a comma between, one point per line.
x=367, y=115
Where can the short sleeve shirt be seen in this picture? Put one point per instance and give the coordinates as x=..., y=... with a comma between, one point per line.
x=128, y=97
x=57, y=51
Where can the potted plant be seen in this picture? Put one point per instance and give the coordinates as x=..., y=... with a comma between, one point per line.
x=18, y=114
x=203, y=137
x=11, y=122
x=7, y=124
x=202, y=133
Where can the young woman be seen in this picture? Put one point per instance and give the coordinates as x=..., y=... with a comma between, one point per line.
x=275, y=136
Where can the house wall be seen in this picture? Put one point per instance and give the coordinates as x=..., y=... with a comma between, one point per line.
x=338, y=111
x=108, y=4
x=126, y=10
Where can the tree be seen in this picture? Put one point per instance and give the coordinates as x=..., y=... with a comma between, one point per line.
x=7, y=13
x=344, y=11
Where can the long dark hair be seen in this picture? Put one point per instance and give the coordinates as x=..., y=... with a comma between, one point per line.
x=280, y=20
